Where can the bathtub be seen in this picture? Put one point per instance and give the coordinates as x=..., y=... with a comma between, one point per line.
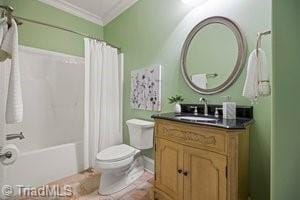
x=53, y=118
x=39, y=167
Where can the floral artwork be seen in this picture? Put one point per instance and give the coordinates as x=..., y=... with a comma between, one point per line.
x=146, y=89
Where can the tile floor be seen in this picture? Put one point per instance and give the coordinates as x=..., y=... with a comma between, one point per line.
x=85, y=185
x=139, y=190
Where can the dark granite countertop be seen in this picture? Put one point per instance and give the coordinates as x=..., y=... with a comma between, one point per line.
x=238, y=123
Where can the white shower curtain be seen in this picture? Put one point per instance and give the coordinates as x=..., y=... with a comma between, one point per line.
x=103, y=99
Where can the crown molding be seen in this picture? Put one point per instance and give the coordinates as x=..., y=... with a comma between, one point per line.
x=74, y=10
x=117, y=10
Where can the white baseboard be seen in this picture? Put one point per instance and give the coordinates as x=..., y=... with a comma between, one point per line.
x=149, y=164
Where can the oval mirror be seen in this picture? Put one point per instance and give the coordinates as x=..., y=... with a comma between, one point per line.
x=213, y=55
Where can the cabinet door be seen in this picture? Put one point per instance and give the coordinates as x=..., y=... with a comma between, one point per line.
x=168, y=168
x=160, y=196
x=205, y=175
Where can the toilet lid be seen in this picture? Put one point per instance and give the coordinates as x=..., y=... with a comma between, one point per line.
x=116, y=153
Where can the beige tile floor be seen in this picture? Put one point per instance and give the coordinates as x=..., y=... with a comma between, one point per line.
x=85, y=185
x=139, y=190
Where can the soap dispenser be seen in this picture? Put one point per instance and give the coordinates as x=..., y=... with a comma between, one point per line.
x=229, y=108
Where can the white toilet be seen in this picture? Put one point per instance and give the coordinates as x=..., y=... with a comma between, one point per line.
x=121, y=165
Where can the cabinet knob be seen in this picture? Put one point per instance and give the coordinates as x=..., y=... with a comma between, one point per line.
x=179, y=171
x=185, y=173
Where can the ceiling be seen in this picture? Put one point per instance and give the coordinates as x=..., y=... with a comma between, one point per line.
x=97, y=11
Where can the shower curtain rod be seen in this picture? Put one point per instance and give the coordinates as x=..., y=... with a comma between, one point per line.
x=64, y=29
x=10, y=9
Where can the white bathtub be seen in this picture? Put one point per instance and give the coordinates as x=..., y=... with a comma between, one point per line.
x=53, y=91
x=40, y=167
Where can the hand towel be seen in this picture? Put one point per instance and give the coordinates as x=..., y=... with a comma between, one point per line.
x=251, y=83
x=264, y=87
x=14, y=103
x=200, y=80
x=257, y=81
x=3, y=30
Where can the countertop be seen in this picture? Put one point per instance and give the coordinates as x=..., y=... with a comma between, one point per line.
x=238, y=123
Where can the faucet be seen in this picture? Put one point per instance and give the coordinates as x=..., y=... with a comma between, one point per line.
x=204, y=100
x=6, y=155
x=195, y=109
x=15, y=136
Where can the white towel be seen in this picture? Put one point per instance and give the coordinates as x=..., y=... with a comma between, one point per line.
x=3, y=30
x=264, y=86
x=200, y=80
x=257, y=81
x=14, y=103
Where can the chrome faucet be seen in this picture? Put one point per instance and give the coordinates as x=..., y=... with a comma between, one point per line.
x=195, y=110
x=15, y=136
x=6, y=155
x=204, y=100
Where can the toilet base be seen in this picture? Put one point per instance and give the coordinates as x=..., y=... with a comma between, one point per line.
x=114, y=182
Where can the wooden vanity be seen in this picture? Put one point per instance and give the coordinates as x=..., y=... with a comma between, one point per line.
x=200, y=162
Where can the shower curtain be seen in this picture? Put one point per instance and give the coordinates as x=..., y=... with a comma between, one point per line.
x=103, y=99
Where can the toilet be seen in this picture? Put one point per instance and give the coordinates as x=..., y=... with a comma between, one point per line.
x=122, y=164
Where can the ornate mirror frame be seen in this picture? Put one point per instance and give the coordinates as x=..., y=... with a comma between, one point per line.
x=239, y=66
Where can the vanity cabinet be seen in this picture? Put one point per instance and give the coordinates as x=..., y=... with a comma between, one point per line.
x=196, y=162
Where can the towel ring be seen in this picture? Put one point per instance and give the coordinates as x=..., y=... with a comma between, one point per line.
x=258, y=43
x=7, y=11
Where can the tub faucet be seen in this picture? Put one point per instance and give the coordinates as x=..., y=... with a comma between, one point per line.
x=6, y=155
x=204, y=100
x=15, y=136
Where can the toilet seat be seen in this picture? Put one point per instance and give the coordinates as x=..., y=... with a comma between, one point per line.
x=102, y=165
x=116, y=157
x=116, y=153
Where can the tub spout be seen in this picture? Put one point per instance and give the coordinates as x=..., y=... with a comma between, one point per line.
x=15, y=136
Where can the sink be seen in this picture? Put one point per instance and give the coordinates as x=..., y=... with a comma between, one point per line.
x=195, y=118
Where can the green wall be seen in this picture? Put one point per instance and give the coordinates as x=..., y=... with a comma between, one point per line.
x=48, y=38
x=153, y=32
x=286, y=121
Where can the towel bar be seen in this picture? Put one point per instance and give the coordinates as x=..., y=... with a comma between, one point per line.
x=208, y=75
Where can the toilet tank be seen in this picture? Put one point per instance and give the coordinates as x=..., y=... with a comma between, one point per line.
x=140, y=133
